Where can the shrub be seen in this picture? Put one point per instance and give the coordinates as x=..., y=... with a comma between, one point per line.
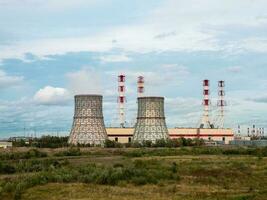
x=6, y=168
x=84, y=145
x=112, y=144
x=43, y=142
x=174, y=167
x=9, y=186
x=128, y=145
x=198, y=142
x=147, y=143
x=73, y=151
x=160, y=143
x=118, y=165
x=172, y=143
x=50, y=142
x=136, y=144
x=32, y=153
x=139, y=180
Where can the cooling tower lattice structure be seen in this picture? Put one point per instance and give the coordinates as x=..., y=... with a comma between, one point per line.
x=150, y=123
x=88, y=122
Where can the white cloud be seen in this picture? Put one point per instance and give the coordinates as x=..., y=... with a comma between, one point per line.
x=183, y=111
x=84, y=81
x=255, y=44
x=155, y=82
x=48, y=4
x=154, y=76
x=51, y=96
x=260, y=99
x=129, y=38
x=55, y=46
x=115, y=58
x=7, y=81
x=234, y=69
x=165, y=35
x=25, y=113
x=175, y=25
x=175, y=70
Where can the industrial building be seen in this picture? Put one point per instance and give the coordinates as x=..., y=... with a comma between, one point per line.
x=88, y=122
x=150, y=122
x=5, y=144
x=125, y=135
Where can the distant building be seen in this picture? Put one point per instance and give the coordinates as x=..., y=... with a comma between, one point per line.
x=5, y=145
x=246, y=138
x=124, y=135
x=21, y=138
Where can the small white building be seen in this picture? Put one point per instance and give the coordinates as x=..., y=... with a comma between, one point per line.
x=5, y=145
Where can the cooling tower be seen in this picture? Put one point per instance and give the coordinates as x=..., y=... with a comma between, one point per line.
x=150, y=123
x=88, y=122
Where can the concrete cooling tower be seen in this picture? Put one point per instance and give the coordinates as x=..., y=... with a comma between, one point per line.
x=88, y=122
x=151, y=123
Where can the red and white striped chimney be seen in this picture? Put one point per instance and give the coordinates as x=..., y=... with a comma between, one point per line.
x=221, y=102
x=121, y=99
x=206, y=104
x=140, y=86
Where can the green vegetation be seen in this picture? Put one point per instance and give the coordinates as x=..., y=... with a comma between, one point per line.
x=44, y=142
x=260, y=152
x=201, y=173
x=69, y=152
x=171, y=143
x=59, y=142
x=32, y=153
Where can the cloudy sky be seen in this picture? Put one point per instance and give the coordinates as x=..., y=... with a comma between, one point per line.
x=53, y=49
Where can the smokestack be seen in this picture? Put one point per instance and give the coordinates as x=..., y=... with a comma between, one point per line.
x=151, y=123
x=88, y=122
x=206, y=104
x=140, y=86
x=253, y=130
x=121, y=99
x=221, y=103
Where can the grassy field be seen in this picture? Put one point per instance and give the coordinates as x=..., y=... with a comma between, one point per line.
x=134, y=174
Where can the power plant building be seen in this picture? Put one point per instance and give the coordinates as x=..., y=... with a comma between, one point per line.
x=150, y=123
x=124, y=135
x=88, y=122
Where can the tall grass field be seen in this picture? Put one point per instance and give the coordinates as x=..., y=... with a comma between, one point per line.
x=186, y=173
